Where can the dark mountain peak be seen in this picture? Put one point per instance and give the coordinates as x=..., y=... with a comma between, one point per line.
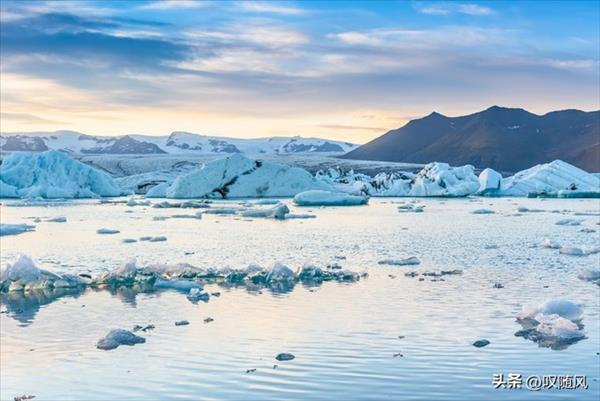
x=503, y=138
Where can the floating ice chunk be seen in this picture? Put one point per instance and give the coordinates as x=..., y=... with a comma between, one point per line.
x=53, y=174
x=280, y=273
x=571, y=250
x=554, y=325
x=266, y=202
x=129, y=240
x=560, y=307
x=548, y=243
x=182, y=323
x=590, y=275
x=285, y=356
x=24, y=275
x=118, y=337
x=489, y=182
x=132, y=202
x=179, y=285
x=127, y=275
x=279, y=212
x=158, y=239
x=413, y=260
x=523, y=209
x=223, y=210
x=327, y=198
x=196, y=295
x=482, y=211
x=568, y=222
x=197, y=215
x=300, y=216
x=587, y=230
x=107, y=231
x=15, y=229
x=58, y=219
x=409, y=207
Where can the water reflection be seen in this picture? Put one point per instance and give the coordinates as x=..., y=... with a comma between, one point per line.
x=24, y=306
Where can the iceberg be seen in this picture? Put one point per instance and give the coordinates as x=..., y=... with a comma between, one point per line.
x=279, y=212
x=237, y=176
x=550, y=179
x=52, y=174
x=489, y=182
x=561, y=307
x=328, y=198
x=15, y=229
x=24, y=275
x=435, y=179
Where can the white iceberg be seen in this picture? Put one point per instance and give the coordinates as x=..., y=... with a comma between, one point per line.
x=237, y=176
x=53, y=174
x=550, y=178
x=489, y=182
x=328, y=198
x=15, y=229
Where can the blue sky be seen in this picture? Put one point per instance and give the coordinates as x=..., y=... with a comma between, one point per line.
x=343, y=70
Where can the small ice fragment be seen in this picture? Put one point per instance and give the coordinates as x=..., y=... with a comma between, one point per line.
x=182, y=323
x=548, y=243
x=118, y=337
x=196, y=295
x=568, y=222
x=158, y=239
x=15, y=229
x=107, y=231
x=413, y=260
x=58, y=219
x=482, y=211
x=328, y=198
x=129, y=240
x=285, y=356
x=481, y=343
x=571, y=250
x=208, y=320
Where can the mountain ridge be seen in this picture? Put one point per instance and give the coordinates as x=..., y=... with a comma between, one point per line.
x=506, y=139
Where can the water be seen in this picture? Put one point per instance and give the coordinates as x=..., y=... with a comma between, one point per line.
x=344, y=336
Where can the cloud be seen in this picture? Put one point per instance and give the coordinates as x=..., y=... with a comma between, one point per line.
x=174, y=4
x=269, y=7
x=453, y=8
x=29, y=118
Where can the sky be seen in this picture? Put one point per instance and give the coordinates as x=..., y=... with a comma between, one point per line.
x=347, y=70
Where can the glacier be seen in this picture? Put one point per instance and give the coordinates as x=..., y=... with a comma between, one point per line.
x=52, y=174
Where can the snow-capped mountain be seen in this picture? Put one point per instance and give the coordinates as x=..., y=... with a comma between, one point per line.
x=177, y=143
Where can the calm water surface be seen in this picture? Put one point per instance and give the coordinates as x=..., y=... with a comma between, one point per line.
x=344, y=336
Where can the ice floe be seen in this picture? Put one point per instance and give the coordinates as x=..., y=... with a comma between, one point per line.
x=482, y=211
x=279, y=211
x=328, y=198
x=15, y=229
x=568, y=222
x=53, y=174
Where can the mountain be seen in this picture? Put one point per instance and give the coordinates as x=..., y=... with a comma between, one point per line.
x=177, y=143
x=502, y=138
